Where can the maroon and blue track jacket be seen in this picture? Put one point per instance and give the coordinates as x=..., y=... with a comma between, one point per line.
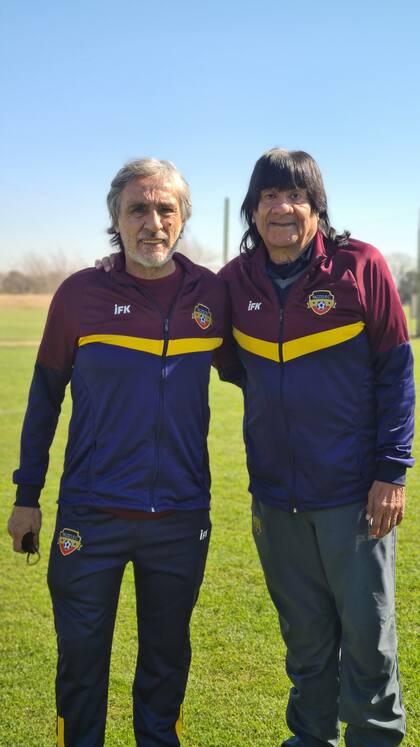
x=328, y=379
x=139, y=383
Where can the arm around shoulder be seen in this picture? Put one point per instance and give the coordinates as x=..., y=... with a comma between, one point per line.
x=226, y=359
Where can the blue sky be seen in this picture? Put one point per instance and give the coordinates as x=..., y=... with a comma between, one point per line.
x=88, y=85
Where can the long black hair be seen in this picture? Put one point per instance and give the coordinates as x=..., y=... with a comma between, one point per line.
x=286, y=169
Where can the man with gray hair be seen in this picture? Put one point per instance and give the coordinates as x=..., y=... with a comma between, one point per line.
x=137, y=344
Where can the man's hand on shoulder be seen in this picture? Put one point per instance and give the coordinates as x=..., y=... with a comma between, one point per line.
x=385, y=510
x=24, y=519
x=106, y=263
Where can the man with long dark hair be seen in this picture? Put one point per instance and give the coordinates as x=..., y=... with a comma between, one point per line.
x=323, y=358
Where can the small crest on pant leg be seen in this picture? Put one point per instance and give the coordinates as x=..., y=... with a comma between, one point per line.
x=69, y=540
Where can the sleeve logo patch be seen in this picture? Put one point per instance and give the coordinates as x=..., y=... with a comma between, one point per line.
x=69, y=540
x=202, y=315
x=321, y=301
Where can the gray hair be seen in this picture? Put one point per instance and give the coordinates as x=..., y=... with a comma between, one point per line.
x=145, y=168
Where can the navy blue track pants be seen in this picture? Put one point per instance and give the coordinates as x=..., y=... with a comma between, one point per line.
x=334, y=591
x=89, y=552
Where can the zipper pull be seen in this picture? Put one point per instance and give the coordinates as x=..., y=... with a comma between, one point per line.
x=281, y=315
x=165, y=326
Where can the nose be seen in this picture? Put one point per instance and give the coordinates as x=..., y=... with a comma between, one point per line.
x=282, y=204
x=153, y=221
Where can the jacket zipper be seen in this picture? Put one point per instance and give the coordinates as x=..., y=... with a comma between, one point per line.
x=293, y=507
x=159, y=419
x=160, y=410
x=159, y=423
x=162, y=393
x=297, y=287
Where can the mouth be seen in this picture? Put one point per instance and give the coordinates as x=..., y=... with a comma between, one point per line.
x=152, y=242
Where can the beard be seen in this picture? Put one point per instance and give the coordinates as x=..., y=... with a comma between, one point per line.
x=153, y=259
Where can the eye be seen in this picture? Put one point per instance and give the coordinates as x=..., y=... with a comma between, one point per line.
x=298, y=195
x=167, y=209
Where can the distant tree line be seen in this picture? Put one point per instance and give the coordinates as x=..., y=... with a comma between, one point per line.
x=405, y=275
x=37, y=274
x=44, y=274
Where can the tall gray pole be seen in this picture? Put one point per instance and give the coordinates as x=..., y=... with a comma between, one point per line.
x=226, y=230
x=418, y=281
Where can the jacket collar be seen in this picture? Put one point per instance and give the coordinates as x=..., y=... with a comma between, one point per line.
x=259, y=254
x=255, y=262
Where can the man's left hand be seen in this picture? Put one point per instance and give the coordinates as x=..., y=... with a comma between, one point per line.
x=106, y=263
x=386, y=504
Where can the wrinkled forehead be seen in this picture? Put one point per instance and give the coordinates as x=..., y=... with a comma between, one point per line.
x=150, y=189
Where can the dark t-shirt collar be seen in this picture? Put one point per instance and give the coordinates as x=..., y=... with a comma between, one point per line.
x=289, y=269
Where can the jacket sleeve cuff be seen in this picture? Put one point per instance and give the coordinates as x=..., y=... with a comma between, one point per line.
x=28, y=495
x=391, y=472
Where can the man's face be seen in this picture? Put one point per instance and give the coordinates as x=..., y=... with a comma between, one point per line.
x=285, y=222
x=149, y=224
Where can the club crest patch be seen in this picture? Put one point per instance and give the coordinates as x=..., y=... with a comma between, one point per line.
x=202, y=315
x=321, y=301
x=69, y=540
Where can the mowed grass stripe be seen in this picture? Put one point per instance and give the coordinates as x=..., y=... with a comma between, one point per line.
x=19, y=343
x=237, y=688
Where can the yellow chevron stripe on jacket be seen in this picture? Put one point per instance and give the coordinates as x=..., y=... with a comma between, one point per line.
x=320, y=340
x=193, y=345
x=262, y=348
x=301, y=345
x=147, y=345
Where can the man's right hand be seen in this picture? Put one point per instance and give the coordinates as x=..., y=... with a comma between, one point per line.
x=106, y=263
x=24, y=519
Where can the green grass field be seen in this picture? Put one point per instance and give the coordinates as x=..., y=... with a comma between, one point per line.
x=237, y=689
